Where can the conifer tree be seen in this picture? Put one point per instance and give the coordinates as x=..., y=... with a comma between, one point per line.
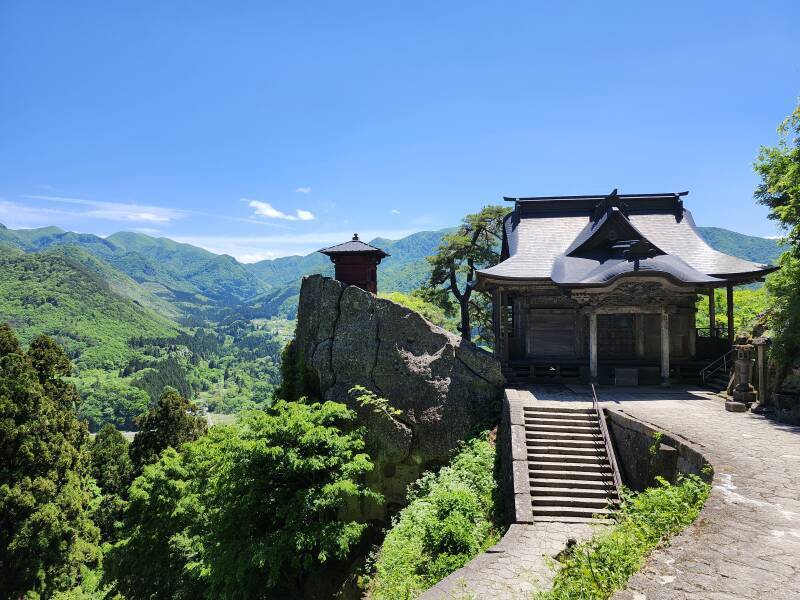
x=45, y=530
x=170, y=423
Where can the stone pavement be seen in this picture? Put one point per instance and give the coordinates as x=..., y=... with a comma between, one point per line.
x=745, y=544
x=746, y=541
x=513, y=569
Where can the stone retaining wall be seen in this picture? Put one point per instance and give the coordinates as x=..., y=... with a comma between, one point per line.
x=645, y=452
x=514, y=462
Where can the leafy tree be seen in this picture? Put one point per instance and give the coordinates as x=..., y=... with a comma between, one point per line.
x=170, y=423
x=246, y=511
x=474, y=245
x=112, y=469
x=779, y=168
x=113, y=401
x=45, y=530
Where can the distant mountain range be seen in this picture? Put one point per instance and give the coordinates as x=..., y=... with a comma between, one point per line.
x=181, y=281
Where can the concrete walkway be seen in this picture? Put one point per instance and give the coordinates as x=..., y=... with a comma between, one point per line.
x=744, y=545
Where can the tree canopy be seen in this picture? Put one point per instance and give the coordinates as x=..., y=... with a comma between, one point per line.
x=779, y=168
x=247, y=510
x=170, y=423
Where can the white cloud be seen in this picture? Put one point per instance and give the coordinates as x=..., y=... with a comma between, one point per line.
x=265, y=209
x=255, y=248
x=303, y=190
x=394, y=211
x=118, y=211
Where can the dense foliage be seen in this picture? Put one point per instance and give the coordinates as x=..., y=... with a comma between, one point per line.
x=112, y=469
x=247, y=510
x=779, y=168
x=172, y=422
x=46, y=534
x=750, y=306
x=595, y=569
x=452, y=516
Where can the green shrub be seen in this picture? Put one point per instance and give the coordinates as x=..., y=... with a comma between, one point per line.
x=595, y=569
x=451, y=517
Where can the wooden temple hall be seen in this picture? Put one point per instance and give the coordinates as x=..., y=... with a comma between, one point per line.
x=605, y=288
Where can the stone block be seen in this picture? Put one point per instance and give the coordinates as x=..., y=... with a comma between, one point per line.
x=732, y=406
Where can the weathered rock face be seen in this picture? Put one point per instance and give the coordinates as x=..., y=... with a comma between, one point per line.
x=444, y=387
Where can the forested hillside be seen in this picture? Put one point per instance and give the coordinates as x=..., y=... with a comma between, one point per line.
x=760, y=250
x=52, y=294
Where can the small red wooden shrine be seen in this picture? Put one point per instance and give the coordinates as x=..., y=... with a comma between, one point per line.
x=356, y=263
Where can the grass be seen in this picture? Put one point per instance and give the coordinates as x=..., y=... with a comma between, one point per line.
x=451, y=517
x=595, y=569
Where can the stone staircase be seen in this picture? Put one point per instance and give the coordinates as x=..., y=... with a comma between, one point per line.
x=570, y=473
x=718, y=382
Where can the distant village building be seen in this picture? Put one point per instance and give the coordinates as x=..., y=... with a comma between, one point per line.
x=356, y=263
x=604, y=288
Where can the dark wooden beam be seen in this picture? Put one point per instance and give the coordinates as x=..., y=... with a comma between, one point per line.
x=712, y=314
x=730, y=313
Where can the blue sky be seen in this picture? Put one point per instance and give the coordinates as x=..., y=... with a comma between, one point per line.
x=262, y=129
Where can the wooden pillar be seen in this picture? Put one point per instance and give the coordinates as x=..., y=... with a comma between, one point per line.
x=638, y=325
x=496, y=322
x=593, y=345
x=712, y=314
x=664, y=346
x=730, y=313
x=692, y=332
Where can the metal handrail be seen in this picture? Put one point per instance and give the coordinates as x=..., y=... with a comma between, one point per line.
x=720, y=363
x=612, y=457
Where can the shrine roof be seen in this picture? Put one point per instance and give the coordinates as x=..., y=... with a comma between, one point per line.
x=354, y=246
x=569, y=240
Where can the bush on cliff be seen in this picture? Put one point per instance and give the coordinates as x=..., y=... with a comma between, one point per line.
x=452, y=516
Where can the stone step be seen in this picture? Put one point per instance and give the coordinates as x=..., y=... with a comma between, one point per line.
x=561, y=428
x=535, y=465
x=561, y=442
x=563, y=435
x=563, y=449
x=539, y=480
x=573, y=492
x=561, y=409
x=538, y=421
x=567, y=458
x=573, y=501
x=601, y=478
x=570, y=511
x=541, y=414
x=561, y=519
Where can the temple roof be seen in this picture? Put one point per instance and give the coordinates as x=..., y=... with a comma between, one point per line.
x=583, y=241
x=354, y=246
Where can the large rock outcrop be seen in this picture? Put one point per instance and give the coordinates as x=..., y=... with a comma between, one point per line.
x=443, y=386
